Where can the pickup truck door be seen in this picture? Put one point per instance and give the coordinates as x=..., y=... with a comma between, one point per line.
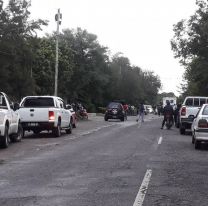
x=65, y=114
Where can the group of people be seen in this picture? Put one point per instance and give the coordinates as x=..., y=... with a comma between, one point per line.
x=167, y=111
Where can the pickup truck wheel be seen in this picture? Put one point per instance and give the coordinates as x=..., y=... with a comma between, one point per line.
x=69, y=130
x=18, y=137
x=5, y=139
x=57, y=130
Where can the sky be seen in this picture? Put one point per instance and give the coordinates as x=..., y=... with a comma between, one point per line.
x=140, y=29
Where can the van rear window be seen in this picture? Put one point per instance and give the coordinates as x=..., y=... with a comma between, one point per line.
x=38, y=102
x=189, y=102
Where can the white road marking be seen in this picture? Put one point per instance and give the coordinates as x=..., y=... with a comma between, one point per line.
x=143, y=189
x=160, y=140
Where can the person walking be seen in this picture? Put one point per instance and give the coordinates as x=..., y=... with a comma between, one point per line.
x=140, y=113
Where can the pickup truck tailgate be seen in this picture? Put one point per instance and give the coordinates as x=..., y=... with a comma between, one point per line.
x=34, y=114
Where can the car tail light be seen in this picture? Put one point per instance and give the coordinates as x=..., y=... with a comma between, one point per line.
x=51, y=115
x=203, y=123
x=183, y=111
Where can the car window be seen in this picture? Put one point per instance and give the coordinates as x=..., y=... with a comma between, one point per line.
x=114, y=105
x=205, y=111
x=196, y=102
x=38, y=102
x=202, y=101
x=189, y=102
x=3, y=102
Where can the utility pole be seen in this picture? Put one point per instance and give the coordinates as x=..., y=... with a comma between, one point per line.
x=58, y=18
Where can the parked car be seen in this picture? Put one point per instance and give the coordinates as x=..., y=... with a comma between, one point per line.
x=74, y=116
x=39, y=113
x=115, y=110
x=189, y=109
x=199, y=127
x=10, y=125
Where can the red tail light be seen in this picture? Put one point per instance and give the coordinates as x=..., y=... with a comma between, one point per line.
x=51, y=115
x=183, y=111
x=203, y=123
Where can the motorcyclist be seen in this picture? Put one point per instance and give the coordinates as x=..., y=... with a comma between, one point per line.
x=167, y=110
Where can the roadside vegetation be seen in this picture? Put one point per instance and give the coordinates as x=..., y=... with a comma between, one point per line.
x=190, y=46
x=88, y=73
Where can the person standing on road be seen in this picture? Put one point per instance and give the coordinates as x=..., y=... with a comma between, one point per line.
x=140, y=113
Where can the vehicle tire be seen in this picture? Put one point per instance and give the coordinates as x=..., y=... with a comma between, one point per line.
x=18, y=137
x=69, y=130
x=182, y=130
x=193, y=139
x=57, y=130
x=5, y=140
x=197, y=144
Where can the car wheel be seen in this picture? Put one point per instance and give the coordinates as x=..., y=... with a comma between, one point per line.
x=69, y=130
x=106, y=119
x=18, y=137
x=197, y=144
x=182, y=130
x=57, y=130
x=5, y=139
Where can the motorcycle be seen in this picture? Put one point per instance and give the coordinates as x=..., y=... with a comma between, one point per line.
x=82, y=113
x=169, y=121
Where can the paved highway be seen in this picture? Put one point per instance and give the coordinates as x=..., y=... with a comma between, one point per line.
x=105, y=164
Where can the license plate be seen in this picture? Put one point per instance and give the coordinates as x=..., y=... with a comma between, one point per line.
x=32, y=124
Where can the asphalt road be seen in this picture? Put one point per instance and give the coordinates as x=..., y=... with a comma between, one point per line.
x=105, y=164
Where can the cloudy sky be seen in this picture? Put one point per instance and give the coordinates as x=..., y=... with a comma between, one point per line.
x=140, y=29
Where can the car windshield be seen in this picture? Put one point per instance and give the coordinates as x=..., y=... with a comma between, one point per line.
x=38, y=102
x=205, y=111
x=113, y=105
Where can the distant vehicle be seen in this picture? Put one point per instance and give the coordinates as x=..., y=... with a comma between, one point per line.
x=74, y=116
x=189, y=109
x=39, y=113
x=10, y=125
x=115, y=110
x=148, y=109
x=199, y=127
x=172, y=101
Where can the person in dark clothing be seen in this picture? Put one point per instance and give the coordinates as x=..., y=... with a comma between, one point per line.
x=167, y=110
x=140, y=112
x=176, y=114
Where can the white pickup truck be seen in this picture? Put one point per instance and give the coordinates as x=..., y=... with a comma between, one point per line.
x=39, y=113
x=188, y=111
x=10, y=126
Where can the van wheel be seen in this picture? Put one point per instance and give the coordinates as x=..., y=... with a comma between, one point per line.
x=57, y=130
x=5, y=139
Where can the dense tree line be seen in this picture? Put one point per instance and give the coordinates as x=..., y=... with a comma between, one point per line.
x=190, y=45
x=87, y=73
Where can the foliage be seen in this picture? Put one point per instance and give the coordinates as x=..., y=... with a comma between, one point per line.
x=87, y=73
x=190, y=45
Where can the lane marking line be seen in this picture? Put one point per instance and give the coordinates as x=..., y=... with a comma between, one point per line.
x=160, y=140
x=143, y=189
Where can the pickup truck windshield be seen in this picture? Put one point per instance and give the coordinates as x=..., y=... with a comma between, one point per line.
x=38, y=102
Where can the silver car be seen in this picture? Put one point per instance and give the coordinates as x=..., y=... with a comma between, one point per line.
x=199, y=127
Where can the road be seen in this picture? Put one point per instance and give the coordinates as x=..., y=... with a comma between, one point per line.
x=105, y=164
